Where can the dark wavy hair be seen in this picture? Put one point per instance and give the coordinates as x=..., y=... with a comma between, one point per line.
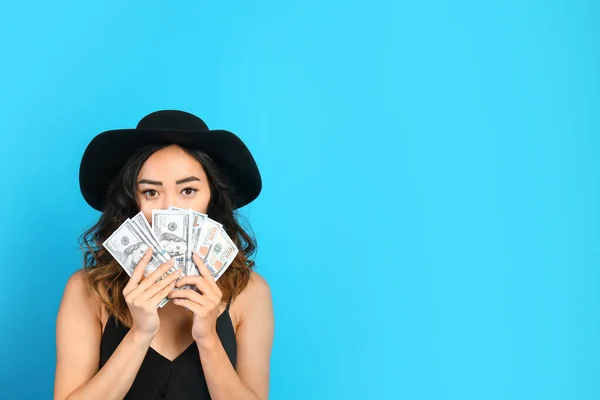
x=106, y=278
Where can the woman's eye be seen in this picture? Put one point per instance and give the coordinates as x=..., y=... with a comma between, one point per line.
x=150, y=192
x=189, y=191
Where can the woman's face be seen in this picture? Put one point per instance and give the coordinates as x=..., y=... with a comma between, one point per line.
x=171, y=177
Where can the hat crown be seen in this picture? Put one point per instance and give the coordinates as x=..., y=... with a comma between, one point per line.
x=172, y=120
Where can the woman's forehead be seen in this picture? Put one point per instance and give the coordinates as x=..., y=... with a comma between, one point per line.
x=171, y=163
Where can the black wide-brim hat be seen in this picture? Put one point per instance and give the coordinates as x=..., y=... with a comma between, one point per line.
x=108, y=152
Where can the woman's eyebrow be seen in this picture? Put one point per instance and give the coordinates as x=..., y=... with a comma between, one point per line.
x=188, y=179
x=179, y=182
x=150, y=182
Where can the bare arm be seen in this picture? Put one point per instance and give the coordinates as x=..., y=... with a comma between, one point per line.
x=78, y=334
x=254, y=338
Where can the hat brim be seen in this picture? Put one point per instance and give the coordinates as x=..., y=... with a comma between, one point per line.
x=108, y=152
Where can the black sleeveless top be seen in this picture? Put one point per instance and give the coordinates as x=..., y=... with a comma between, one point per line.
x=161, y=378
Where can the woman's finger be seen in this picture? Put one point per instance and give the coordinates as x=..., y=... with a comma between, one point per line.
x=190, y=305
x=160, y=285
x=199, y=282
x=155, y=275
x=151, y=279
x=206, y=273
x=191, y=295
x=158, y=297
x=138, y=272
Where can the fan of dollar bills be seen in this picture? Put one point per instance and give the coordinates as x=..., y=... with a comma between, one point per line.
x=175, y=233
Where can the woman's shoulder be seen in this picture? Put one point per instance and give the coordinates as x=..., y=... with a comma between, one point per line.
x=77, y=292
x=257, y=293
x=76, y=285
x=257, y=289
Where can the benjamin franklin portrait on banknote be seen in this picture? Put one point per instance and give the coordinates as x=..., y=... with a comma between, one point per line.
x=133, y=254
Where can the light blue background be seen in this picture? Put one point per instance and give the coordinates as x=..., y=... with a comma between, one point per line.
x=429, y=223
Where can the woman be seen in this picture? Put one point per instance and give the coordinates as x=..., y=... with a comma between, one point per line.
x=213, y=342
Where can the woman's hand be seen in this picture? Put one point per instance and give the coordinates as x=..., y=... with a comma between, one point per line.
x=143, y=295
x=203, y=304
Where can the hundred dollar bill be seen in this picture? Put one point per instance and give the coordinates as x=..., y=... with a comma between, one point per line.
x=172, y=229
x=145, y=231
x=208, y=234
x=221, y=255
x=191, y=234
x=128, y=248
x=196, y=221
